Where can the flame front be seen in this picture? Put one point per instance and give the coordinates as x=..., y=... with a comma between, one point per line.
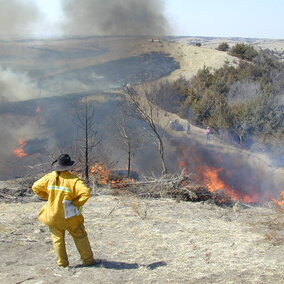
x=19, y=151
x=211, y=178
x=218, y=177
x=101, y=172
x=280, y=201
x=105, y=176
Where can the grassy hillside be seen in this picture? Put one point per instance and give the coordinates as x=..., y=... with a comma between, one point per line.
x=42, y=58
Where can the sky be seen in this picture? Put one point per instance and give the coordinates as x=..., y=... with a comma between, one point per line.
x=213, y=18
x=227, y=18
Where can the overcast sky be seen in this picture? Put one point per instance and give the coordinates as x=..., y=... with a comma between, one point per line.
x=216, y=18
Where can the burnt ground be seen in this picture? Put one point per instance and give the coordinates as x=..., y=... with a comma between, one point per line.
x=114, y=74
x=148, y=241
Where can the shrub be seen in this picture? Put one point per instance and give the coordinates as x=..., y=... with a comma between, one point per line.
x=244, y=51
x=223, y=46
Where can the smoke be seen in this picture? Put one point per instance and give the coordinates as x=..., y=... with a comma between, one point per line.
x=244, y=173
x=16, y=86
x=116, y=17
x=17, y=17
x=85, y=17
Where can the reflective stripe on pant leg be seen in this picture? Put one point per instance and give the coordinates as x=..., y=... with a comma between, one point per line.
x=58, y=240
x=82, y=243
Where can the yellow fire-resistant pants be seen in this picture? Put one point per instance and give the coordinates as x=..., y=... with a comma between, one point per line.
x=81, y=241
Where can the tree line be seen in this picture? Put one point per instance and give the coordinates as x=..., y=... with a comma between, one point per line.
x=244, y=101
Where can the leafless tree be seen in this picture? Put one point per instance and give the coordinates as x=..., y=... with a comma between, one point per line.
x=142, y=103
x=243, y=92
x=88, y=135
x=127, y=136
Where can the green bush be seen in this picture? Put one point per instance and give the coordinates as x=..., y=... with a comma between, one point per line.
x=244, y=51
x=223, y=46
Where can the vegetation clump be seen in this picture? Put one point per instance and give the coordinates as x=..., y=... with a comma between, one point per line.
x=224, y=46
x=244, y=51
x=244, y=103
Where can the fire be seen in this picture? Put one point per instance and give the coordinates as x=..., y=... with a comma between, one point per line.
x=101, y=172
x=211, y=178
x=105, y=176
x=20, y=152
x=281, y=201
x=222, y=173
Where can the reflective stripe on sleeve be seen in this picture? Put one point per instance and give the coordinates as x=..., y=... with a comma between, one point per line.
x=60, y=188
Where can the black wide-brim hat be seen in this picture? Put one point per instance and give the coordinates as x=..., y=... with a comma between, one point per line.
x=62, y=163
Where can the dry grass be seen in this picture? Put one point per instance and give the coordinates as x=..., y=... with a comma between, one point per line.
x=191, y=58
x=149, y=241
x=273, y=226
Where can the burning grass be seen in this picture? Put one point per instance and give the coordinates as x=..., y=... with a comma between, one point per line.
x=178, y=187
x=19, y=151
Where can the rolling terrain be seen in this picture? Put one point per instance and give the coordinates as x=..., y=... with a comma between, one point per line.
x=134, y=240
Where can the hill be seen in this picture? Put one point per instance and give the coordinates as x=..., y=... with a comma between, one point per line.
x=274, y=45
x=40, y=72
x=68, y=65
x=45, y=59
x=82, y=65
x=134, y=240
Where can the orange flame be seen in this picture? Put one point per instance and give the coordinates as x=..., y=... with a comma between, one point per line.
x=20, y=152
x=281, y=200
x=105, y=176
x=101, y=172
x=212, y=180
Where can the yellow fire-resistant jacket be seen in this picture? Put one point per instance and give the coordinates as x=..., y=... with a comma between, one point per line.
x=56, y=187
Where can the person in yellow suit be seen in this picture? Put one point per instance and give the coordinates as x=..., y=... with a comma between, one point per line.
x=65, y=194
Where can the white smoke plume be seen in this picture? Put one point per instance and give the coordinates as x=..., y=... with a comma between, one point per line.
x=115, y=17
x=17, y=17
x=16, y=86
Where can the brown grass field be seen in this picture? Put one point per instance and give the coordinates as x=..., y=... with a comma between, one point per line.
x=149, y=241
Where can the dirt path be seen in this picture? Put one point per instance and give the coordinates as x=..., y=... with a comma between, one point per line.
x=148, y=241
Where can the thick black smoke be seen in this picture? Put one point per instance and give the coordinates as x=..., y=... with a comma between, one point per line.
x=115, y=17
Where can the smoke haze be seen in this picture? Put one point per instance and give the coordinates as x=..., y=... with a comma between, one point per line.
x=17, y=17
x=16, y=86
x=116, y=17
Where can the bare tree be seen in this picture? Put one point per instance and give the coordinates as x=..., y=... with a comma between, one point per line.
x=142, y=102
x=88, y=135
x=243, y=92
x=127, y=136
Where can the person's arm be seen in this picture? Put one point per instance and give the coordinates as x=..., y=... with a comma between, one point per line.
x=82, y=193
x=40, y=188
